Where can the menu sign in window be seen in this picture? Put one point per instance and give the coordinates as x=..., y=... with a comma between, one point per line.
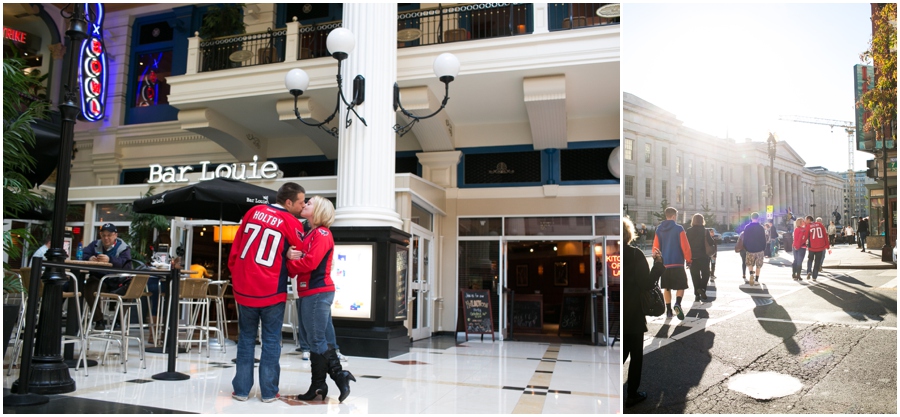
x=352, y=276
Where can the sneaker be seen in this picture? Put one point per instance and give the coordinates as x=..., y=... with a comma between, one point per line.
x=270, y=400
x=305, y=355
x=240, y=397
x=703, y=296
x=679, y=312
x=814, y=279
x=341, y=357
x=809, y=276
x=712, y=277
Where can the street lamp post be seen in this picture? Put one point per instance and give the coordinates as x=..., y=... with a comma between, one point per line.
x=49, y=373
x=813, y=205
x=739, y=212
x=772, y=145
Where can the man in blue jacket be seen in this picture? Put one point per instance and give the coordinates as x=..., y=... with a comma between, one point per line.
x=755, y=244
x=671, y=242
x=108, y=248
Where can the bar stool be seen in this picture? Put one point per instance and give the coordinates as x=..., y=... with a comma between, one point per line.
x=132, y=298
x=193, y=294
x=8, y=298
x=289, y=312
x=217, y=294
x=75, y=297
x=20, y=328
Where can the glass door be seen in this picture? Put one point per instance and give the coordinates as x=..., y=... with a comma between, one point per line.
x=181, y=235
x=420, y=284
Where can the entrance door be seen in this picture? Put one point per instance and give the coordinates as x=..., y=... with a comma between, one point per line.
x=420, y=283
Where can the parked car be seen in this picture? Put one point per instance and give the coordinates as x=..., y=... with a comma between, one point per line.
x=730, y=237
x=717, y=237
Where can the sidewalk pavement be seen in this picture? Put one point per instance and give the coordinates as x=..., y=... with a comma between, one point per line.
x=842, y=257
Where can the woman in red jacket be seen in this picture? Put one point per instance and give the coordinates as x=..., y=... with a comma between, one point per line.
x=316, y=293
x=800, y=236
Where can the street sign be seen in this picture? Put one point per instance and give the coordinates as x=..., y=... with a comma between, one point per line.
x=770, y=212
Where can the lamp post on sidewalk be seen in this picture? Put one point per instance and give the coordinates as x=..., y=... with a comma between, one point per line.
x=49, y=374
x=771, y=145
x=813, y=205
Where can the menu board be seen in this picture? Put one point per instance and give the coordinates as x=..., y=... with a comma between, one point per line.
x=477, y=312
x=402, y=261
x=352, y=276
x=571, y=318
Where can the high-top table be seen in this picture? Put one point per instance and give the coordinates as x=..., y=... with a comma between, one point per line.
x=72, y=311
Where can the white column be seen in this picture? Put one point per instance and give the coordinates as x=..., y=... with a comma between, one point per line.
x=540, y=18
x=365, y=186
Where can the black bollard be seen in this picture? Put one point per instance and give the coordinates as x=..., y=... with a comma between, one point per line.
x=22, y=397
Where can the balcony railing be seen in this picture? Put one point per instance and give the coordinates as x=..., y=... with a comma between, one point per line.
x=414, y=28
x=242, y=50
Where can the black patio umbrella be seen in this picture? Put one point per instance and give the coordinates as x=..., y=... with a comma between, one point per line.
x=216, y=199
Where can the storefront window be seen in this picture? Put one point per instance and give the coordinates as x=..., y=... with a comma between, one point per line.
x=422, y=217
x=480, y=226
x=607, y=225
x=152, y=71
x=478, y=270
x=111, y=213
x=548, y=226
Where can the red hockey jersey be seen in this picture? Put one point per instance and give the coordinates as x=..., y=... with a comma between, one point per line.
x=257, y=258
x=818, y=237
x=314, y=269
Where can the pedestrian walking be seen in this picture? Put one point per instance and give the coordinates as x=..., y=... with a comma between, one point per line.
x=755, y=243
x=818, y=243
x=671, y=242
x=832, y=232
x=773, y=240
x=698, y=238
x=848, y=234
x=712, y=259
x=637, y=278
x=800, y=237
x=863, y=233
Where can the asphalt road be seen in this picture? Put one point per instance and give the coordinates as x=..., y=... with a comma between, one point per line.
x=824, y=347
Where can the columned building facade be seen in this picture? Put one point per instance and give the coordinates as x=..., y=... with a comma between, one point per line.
x=721, y=177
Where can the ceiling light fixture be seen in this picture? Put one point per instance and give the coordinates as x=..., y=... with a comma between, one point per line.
x=340, y=43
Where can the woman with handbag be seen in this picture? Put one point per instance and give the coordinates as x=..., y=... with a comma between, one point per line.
x=701, y=250
x=637, y=279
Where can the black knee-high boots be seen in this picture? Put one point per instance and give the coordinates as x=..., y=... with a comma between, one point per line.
x=340, y=377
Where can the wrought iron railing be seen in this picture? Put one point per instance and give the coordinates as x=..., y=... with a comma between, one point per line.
x=414, y=28
x=242, y=50
x=565, y=16
x=462, y=23
x=312, y=39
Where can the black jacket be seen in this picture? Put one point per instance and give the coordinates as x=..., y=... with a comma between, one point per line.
x=695, y=237
x=636, y=278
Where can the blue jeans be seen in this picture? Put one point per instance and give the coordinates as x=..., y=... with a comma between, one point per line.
x=316, y=313
x=269, y=369
x=301, y=332
x=798, y=260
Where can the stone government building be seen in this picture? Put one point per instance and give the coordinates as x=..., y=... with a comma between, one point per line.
x=664, y=160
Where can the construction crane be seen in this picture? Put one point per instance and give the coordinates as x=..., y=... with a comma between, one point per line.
x=848, y=127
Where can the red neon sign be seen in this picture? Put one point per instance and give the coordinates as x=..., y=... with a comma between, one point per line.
x=14, y=35
x=615, y=264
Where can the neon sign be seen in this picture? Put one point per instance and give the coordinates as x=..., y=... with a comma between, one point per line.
x=148, y=87
x=615, y=264
x=94, y=72
x=14, y=35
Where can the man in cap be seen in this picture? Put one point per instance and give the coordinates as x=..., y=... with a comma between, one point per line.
x=108, y=248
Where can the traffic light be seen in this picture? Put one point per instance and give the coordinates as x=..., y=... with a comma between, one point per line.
x=872, y=170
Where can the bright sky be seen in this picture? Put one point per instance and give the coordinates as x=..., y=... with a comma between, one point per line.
x=736, y=68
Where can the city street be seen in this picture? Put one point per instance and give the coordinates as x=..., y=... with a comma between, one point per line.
x=781, y=346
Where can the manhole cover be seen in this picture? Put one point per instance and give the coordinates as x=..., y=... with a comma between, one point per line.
x=765, y=385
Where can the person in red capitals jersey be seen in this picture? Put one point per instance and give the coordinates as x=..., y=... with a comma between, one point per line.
x=818, y=243
x=316, y=293
x=259, y=279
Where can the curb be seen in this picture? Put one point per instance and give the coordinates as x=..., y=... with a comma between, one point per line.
x=861, y=266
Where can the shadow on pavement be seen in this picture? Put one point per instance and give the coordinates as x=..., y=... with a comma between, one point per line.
x=770, y=309
x=670, y=374
x=858, y=305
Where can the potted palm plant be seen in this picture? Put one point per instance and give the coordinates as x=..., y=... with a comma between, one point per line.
x=219, y=21
x=19, y=112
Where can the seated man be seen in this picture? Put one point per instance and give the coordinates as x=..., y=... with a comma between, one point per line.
x=108, y=248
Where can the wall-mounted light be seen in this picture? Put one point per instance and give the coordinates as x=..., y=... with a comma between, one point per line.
x=540, y=269
x=581, y=268
x=340, y=43
x=446, y=67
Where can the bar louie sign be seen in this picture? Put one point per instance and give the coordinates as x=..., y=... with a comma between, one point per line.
x=239, y=171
